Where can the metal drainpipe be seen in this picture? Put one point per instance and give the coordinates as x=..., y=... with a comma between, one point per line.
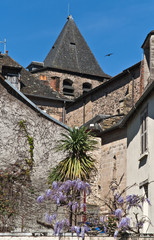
x=132, y=78
x=132, y=90
x=83, y=112
x=64, y=114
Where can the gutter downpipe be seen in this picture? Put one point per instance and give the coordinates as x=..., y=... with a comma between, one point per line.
x=64, y=112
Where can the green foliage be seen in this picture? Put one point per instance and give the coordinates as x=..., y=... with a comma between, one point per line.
x=111, y=225
x=30, y=140
x=77, y=163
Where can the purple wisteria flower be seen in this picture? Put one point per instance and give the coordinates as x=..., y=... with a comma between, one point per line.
x=82, y=232
x=48, y=193
x=50, y=219
x=105, y=229
x=40, y=199
x=83, y=205
x=77, y=230
x=102, y=219
x=70, y=203
x=54, y=185
x=148, y=201
x=134, y=201
x=59, y=226
x=140, y=224
x=75, y=206
x=54, y=216
x=118, y=213
x=72, y=228
x=124, y=223
x=86, y=228
x=65, y=193
x=119, y=198
x=116, y=234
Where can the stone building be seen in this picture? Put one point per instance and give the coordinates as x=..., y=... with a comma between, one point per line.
x=71, y=87
x=52, y=102
x=14, y=150
x=70, y=67
x=113, y=97
x=140, y=151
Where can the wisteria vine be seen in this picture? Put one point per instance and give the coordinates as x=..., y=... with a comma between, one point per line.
x=68, y=194
x=117, y=222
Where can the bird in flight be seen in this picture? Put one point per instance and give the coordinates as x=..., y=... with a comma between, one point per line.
x=108, y=55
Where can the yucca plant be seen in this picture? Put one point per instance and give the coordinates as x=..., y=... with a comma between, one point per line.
x=78, y=163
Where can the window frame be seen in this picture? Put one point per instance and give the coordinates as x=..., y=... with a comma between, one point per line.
x=144, y=130
x=68, y=89
x=86, y=87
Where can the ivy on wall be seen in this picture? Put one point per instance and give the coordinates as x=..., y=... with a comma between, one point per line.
x=12, y=181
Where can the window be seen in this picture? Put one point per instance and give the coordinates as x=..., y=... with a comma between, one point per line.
x=43, y=77
x=144, y=115
x=12, y=74
x=67, y=87
x=86, y=87
x=14, y=80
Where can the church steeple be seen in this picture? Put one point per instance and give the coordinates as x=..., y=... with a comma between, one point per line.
x=70, y=52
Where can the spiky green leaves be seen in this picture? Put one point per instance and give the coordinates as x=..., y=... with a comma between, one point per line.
x=78, y=163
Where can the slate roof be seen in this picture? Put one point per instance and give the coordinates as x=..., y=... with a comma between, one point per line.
x=30, y=85
x=18, y=94
x=71, y=53
x=101, y=123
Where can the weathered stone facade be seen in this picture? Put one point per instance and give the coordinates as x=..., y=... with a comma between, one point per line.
x=55, y=79
x=116, y=96
x=13, y=148
x=54, y=107
x=45, y=131
x=112, y=162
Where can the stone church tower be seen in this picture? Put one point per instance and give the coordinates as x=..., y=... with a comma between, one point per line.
x=70, y=67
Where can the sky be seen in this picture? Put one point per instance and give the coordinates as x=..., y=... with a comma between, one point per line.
x=109, y=26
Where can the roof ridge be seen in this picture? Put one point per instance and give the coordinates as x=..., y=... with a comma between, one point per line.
x=63, y=34
x=71, y=52
x=77, y=60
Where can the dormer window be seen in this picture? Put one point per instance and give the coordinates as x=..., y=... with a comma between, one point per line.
x=12, y=74
x=67, y=87
x=14, y=80
x=86, y=87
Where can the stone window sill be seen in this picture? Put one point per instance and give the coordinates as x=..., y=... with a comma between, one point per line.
x=143, y=155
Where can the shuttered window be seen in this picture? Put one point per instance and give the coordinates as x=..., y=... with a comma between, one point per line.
x=144, y=143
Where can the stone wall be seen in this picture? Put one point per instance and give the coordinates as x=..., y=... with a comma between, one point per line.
x=51, y=237
x=21, y=237
x=14, y=149
x=112, y=162
x=116, y=96
x=53, y=107
x=55, y=81
x=96, y=154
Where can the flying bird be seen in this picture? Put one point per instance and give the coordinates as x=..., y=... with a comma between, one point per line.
x=108, y=55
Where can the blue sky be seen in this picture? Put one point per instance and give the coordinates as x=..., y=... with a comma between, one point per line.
x=119, y=26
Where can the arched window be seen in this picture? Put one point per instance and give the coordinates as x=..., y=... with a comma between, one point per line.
x=86, y=87
x=67, y=87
